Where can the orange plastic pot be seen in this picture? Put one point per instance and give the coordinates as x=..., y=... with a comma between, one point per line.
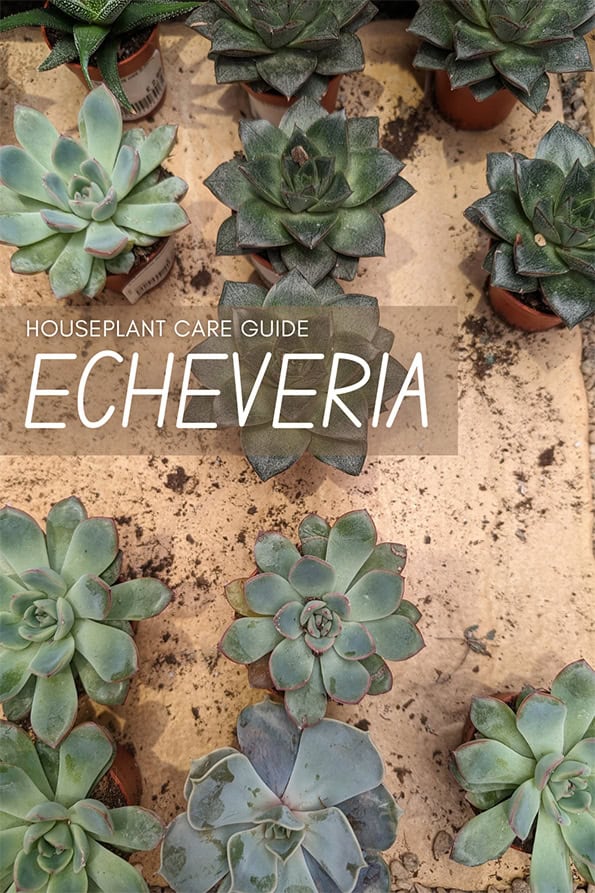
x=146, y=273
x=508, y=306
x=462, y=109
x=272, y=106
x=124, y=773
x=151, y=95
x=265, y=270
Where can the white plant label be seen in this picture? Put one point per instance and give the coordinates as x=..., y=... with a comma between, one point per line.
x=144, y=88
x=152, y=273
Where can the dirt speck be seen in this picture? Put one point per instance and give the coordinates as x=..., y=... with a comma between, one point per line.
x=177, y=480
x=546, y=457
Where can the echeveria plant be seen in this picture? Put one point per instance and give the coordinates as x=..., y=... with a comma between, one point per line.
x=289, y=811
x=94, y=30
x=490, y=44
x=78, y=208
x=531, y=772
x=324, y=617
x=52, y=831
x=540, y=215
x=63, y=617
x=309, y=194
x=293, y=47
x=336, y=323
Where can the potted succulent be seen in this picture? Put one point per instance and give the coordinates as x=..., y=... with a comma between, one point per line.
x=281, y=51
x=64, y=619
x=309, y=194
x=115, y=41
x=540, y=215
x=530, y=774
x=318, y=622
x=336, y=322
x=56, y=836
x=94, y=213
x=288, y=811
x=490, y=53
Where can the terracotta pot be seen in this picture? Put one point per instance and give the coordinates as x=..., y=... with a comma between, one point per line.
x=146, y=274
x=142, y=77
x=508, y=306
x=272, y=106
x=125, y=775
x=462, y=109
x=264, y=268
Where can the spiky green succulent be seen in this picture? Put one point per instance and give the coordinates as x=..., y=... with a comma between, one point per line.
x=336, y=323
x=290, y=46
x=287, y=812
x=93, y=30
x=320, y=621
x=52, y=832
x=541, y=217
x=531, y=772
x=490, y=44
x=63, y=618
x=310, y=194
x=78, y=208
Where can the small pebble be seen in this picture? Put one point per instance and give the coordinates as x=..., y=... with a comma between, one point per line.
x=520, y=886
x=442, y=844
x=398, y=870
x=411, y=862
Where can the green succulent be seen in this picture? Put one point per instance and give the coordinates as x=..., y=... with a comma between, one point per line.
x=51, y=831
x=310, y=194
x=92, y=30
x=77, y=209
x=289, y=811
x=292, y=47
x=63, y=618
x=541, y=217
x=490, y=44
x=337, y=323
x=531, y=773
x=321, y=620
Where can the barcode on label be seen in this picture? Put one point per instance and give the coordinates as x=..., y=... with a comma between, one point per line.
x=151, y=100
x=145, y=88
x=153, y=273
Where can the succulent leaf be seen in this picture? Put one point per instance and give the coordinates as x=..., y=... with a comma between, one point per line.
x=490, y=44
x=316, y=188
x=532, y=774
x=325, y=625
x=96, y=194
x=59, y=615
x=541, y=216
x=278, y=824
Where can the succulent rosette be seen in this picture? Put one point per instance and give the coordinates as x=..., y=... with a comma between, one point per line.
x=309, y=194
x=541, y=217
x=490, y=44
x=64, y=620
x=292, y=47
x=281, y=814
x=78, y=208
x=90, y=31
x=320, y=622
x=531, y=775
x=52, y=833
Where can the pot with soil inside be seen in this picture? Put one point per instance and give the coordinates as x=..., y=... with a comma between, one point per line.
x=104, y=209
x=485, y=60
x=525, y=765
x=279, y=57
x=119, y=48
x=539, y=215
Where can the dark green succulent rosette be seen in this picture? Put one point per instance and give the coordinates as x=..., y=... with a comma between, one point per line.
x=530, y=774
x=309, y=194
x=541, y=217
x=292, y=47
x=287, y=812
x=490, y=44
x=55, y=837
x=336, y=323
x=319, y=622
x=63, y=617
x=95, y=29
